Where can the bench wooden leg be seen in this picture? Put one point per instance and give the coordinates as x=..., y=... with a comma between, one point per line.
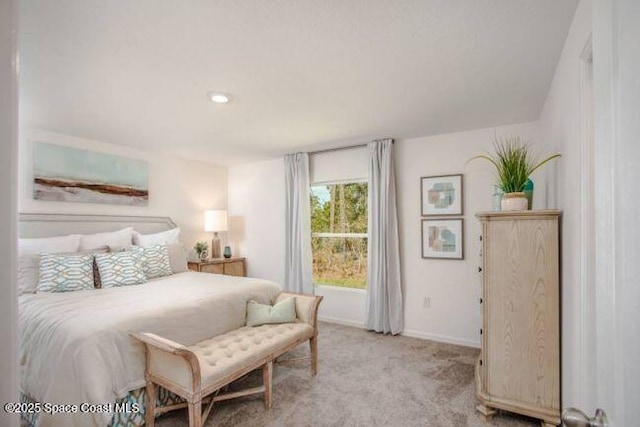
x=267, y=380
x=150, y=416
x=195, y=414
x=313, y=344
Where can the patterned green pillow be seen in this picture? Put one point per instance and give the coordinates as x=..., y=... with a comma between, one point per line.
x=155, y=261
x=65, y=272
x=120, y=269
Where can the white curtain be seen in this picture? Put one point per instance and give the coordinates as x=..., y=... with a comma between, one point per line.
x=298, y=258
x=384, y=293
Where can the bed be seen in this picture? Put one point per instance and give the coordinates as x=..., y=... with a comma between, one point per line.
x=75, y=346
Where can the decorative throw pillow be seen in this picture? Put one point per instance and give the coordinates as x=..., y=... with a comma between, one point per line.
x=163, y=238
x=155, y=261
x=29, y=271
x=120, y=269
x=29, y=251
x=262, y=314
x=96, y=274
x=65, y=272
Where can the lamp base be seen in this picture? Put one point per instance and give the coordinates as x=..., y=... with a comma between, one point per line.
x=215, y=247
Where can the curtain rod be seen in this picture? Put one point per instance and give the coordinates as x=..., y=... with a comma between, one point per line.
x=329, y=150
x=346, y=147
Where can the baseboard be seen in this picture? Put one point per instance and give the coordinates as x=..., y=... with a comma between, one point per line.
x=407, y=333
x=339, y=321
x=441, y=338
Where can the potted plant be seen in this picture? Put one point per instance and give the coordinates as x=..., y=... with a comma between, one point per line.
x=202, y=249
x=514, y=163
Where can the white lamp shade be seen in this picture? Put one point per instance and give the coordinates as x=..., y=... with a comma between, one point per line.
x=215, y=221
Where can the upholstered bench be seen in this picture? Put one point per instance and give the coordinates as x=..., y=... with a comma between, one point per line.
x=198, y=372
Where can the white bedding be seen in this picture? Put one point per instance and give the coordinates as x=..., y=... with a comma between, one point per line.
x=75, y=346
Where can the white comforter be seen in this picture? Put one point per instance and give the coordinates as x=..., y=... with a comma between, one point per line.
x=76, y=348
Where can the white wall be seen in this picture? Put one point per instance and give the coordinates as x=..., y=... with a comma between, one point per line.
x=560, y=124
x=256, y=216
x=178, y=188
x=256, y=204
x=452, y=285
x=257, y=229
x=8, y=155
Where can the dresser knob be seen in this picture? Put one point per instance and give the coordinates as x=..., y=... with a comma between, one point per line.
x=479, y=269
x=480, y=331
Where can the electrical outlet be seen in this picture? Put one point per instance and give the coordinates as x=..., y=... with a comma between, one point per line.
x=426, y=302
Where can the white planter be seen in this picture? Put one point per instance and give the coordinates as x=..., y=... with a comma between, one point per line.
x=514, y=202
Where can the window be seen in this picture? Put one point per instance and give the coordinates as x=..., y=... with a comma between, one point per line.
x=339, y=234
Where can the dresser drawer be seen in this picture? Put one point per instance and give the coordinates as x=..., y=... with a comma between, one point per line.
x=226, y=266
x=234, y=268
x=213, y=268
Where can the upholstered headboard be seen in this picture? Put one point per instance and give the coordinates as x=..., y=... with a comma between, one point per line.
x=49, y=225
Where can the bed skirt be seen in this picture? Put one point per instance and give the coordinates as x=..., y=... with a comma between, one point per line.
x=124, y=419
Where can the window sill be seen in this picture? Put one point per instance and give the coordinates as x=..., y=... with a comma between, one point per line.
x=341, y=288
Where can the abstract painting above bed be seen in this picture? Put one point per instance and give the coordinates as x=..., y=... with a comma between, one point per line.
x=74, y=175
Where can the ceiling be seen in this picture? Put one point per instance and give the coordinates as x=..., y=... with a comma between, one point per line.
x=303, y=73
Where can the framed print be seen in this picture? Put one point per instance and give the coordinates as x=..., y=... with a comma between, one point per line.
x=442, y=238
x=441, y=195
x=67, y=174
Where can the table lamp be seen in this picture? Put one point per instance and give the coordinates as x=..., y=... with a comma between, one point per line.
x=215, y=221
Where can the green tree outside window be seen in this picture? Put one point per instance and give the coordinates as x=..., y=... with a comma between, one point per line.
x=339, y=234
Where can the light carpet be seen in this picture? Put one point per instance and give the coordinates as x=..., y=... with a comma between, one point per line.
x=364, y=379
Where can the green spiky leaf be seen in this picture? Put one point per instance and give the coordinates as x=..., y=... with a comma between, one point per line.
x=514, y=163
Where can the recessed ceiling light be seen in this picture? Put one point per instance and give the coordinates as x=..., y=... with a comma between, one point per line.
x=219, y=97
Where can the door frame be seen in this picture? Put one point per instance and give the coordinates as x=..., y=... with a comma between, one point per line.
x=9, y=377
x=587, y=238
x=605, y=129
x=616, y=151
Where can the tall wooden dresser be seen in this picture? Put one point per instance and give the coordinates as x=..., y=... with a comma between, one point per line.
x=519, y=365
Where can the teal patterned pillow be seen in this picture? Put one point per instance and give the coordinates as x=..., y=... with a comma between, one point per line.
x=65, y=272
x=155, y=261
x=120, y=269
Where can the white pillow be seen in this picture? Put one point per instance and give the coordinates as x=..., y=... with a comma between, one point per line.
x=177, y=258
x=120, y=238
x=51, y=245
x=28, y=273
x=163, y=238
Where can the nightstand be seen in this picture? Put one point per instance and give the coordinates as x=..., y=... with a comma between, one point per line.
x=229, y=266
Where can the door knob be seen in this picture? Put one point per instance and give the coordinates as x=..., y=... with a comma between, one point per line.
x=572, y=417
